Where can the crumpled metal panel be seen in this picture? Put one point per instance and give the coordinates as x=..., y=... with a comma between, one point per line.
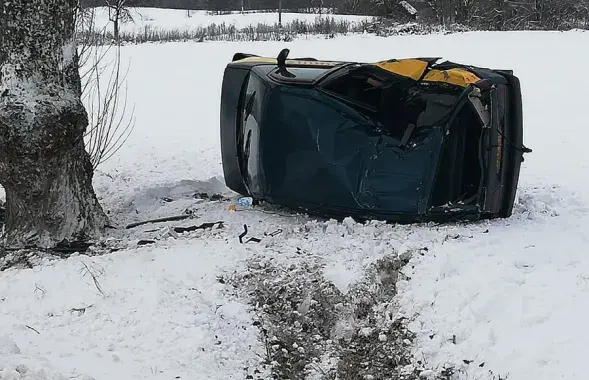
x=320, y=151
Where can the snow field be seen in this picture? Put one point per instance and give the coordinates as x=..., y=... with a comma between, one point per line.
x=511, y=294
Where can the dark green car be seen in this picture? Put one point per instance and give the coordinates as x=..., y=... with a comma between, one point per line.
x=400, y=140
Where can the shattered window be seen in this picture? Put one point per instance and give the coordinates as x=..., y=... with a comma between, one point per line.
x=402, y=107
x=459, y=172
x=361, y=86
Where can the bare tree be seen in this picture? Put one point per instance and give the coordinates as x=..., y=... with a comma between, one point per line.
x=464, y=11
x=118, y=12
x=110, y=122
x=350, y=6
x=44, y=167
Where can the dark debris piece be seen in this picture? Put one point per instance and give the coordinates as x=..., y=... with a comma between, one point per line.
x=67, y=247
x=244, y=233
x=203, y=226
x=212, y=197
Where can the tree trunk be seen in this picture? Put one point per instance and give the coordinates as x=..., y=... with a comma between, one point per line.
x=44, y=167
x=115, y=24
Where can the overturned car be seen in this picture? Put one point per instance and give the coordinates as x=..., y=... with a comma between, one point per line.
x=399, y=140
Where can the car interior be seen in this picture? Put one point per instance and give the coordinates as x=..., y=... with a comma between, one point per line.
x=406, y=111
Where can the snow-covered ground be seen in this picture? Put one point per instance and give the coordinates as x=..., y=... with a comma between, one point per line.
x=172, y=19
x=500, y=298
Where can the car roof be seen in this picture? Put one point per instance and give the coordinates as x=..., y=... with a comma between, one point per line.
x=305, y=62
x=414, y=68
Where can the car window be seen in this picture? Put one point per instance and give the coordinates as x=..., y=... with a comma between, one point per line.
x=250, y=119
x=251, y=105
x=362, y=86
x=401, y=106
x=298, y=74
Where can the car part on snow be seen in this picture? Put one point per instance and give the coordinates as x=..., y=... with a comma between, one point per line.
x=244, y=233
x=401, y=140
x=257, y=240
x=274, y=233
x=160, y=220
x=204, y=226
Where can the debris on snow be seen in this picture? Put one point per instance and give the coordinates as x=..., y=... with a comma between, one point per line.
x=160, y=220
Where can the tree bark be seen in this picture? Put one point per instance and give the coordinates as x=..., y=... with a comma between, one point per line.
x=116, y=24
x=44, y=166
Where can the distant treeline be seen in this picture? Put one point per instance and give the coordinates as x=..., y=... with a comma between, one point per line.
x=476, y=14
x=215, y=5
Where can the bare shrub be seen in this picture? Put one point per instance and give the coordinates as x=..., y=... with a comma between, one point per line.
x=228, y=32
x=105, y=98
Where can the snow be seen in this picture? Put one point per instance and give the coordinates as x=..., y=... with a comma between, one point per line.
x=408, y=7
x=68, y=51
x=509, y=295
x=517, y=297
x=119, y=335
x=172, y=19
